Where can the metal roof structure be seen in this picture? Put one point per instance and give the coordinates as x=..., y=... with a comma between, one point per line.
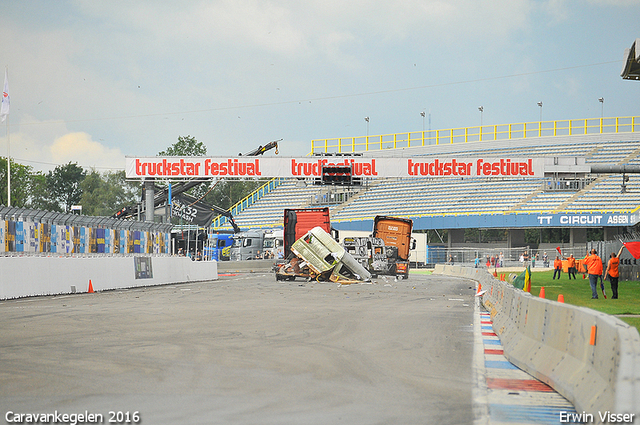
x=631, y=67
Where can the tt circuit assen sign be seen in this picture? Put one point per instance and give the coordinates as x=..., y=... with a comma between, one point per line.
x=587, y=220
x=311, y=167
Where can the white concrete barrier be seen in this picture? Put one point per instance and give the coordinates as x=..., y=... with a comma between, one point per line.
x=33, y=275
x=553, y=342
x=246, y=266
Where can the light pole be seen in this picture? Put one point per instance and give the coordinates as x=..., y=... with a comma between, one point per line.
x=367, y=120
x=481, y=109
x=540, y=105
x=423, y=114
x=601, y=100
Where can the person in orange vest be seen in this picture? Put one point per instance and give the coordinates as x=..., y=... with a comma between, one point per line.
x=571, y=267
x=594, y=268
x=557, y=267
x=613, y=273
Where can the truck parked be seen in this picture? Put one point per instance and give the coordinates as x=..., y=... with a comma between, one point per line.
x=247, y=245
x=218, y=246
x=273, y=244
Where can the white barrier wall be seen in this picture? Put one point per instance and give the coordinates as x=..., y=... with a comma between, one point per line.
x=32, y=275
x=553, y=342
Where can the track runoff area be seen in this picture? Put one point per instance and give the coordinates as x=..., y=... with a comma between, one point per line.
x=246, y=349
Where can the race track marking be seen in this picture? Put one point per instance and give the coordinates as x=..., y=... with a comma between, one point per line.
x=504, y=393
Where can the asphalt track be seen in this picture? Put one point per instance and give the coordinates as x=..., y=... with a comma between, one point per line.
x=246, y=349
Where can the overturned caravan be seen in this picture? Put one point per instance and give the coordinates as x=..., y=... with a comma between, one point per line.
x=319, y=257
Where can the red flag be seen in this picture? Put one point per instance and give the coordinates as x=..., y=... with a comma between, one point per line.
x=633, y=248
x=558, y=249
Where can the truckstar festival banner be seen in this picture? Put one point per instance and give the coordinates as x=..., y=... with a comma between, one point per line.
x=309, y=167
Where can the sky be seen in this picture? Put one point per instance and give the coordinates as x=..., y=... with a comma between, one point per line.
x=93, y=81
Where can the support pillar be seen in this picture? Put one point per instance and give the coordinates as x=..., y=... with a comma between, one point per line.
x=611, y=231
x=150, y=208
x=515, y=238
x=577, y=237
x=455, y=236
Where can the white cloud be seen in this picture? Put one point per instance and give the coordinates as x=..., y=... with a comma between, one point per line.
x=78, y=147
x=258, y=24
x=45, y=144
x=294, y=28
x=616, y=2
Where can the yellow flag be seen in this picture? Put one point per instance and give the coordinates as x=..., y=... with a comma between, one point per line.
x=527, y=280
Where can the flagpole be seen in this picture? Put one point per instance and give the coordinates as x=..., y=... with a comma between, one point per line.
x=4, y=112
x=8, y=165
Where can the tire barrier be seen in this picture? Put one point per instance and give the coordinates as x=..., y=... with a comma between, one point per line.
x=589, y=357
x=33, y=232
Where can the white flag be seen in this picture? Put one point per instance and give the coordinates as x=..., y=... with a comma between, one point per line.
x=6, y=100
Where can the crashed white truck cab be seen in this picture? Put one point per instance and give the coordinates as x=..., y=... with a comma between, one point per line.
x=325, y=259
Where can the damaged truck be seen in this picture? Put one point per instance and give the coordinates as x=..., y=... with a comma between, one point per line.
x=385, y=252
x=319, y=257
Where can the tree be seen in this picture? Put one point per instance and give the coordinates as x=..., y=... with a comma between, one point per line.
x=20, y=177
x=485, y=235
x=228, y=192
x=41, y=197
x=185, y=146
x=64, y=185
x=104, y=194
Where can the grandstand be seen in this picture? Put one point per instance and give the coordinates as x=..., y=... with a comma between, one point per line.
x=555, y=200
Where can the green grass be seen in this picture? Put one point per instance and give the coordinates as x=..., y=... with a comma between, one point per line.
x=578, y=292
x=633, y=321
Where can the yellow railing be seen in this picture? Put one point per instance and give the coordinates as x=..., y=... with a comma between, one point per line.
x=485, y=133
x=247, y=201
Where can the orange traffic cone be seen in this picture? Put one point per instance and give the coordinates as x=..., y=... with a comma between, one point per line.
x=90, y=291
x=479, y=287
x=542, y=292
x=495, y=273
x=560, y=298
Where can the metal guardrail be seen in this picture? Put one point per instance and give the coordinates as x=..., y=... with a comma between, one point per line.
x=66, y=219
x=483, y=133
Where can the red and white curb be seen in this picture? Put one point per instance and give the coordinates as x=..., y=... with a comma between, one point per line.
x=505, y=394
